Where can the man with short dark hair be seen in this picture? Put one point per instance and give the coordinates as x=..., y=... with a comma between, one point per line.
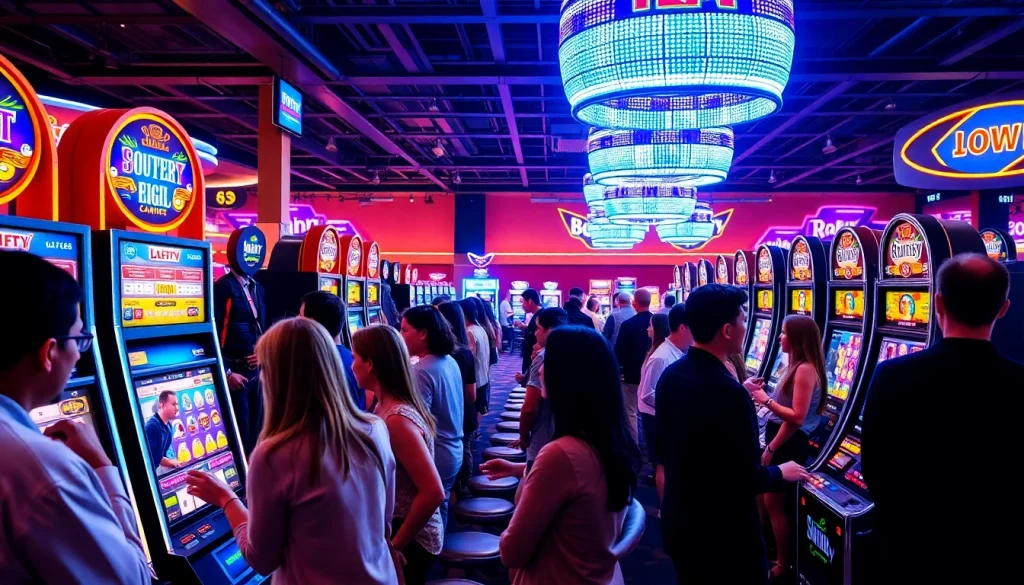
x=531, y=305
x=953, y=533
x=64, y=513
x=330, y=311
x=670, y=301
x=536, y=422
x=631, y=348
x=576, y=293
x=707, y=428
x=159, y=432
x=440, y=300
x=574, y=309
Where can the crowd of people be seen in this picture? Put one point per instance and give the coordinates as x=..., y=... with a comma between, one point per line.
x=363, y=443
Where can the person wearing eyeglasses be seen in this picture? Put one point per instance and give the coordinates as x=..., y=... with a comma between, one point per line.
x=64, y=513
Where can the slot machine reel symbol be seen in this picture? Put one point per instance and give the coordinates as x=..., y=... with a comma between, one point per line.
x=181, y=198
x=122, y=184
x=11, y=161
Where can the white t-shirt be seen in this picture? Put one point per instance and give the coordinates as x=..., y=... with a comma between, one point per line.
x=506, y=312
x=666, y=354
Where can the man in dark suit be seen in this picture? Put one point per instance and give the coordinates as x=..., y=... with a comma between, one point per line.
x=574, y=308
x=946, y=413
x=631, y=349
x=531, y=305
x=708, y=435
x=239, y=309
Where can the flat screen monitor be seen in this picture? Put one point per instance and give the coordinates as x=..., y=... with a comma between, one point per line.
x=373, y=294
x=161, y=285
x=758, y=343
x=801, y=302
x=355, y=322
x=777, y=368
x=354, y=293
x=893, y=348
x=60, y=249
x=765, y=300
x=374, y=317
x=849, y=305
x=844, y=353
x=73, y=405
x=199, y=438
x=907, y=309
x=331, y=285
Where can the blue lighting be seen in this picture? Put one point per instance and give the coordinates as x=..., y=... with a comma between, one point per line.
x=697, y=230
x=607, y=235
x=675, y=64
x=690, y=157
x=649, y=205
x=592, y=192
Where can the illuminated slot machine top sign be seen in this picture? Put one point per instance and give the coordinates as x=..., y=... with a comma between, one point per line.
x=28, y=154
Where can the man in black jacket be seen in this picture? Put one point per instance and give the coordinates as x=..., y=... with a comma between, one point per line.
x=963, y=527
x=630, y=349
x=531, y=305
x=707, y=431
x=574, y=308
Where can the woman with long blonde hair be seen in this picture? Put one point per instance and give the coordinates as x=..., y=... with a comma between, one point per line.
x=381, y=365
x=322, y=476
x=795, y=409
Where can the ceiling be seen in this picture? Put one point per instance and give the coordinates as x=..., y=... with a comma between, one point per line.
x=390, y=80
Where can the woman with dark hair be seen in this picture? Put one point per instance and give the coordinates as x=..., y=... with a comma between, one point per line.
x=479, y=338
x=572, y=505
x=429, y=337
x=467, y=367
x=488, y=312
x=658, y=331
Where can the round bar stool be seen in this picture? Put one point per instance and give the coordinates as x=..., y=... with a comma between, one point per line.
x=506, y=453
x=503, y=439
x=517, y=394
x=513, y=407
x=469, y=549
x=484, y=511
x=515, y=400
x=493, y=488
x=510, y=415
x=508, y=426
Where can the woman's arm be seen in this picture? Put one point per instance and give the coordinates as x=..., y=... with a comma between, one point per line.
x=411, y=453
x=548, y=485
x=469, y=394
x=793, y=418
x=262, y=533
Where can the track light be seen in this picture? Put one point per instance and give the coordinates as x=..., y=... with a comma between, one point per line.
x=376, y=178
x=456, y=179
x=859, y=180
x=429, y=199
x=411, y=198
x=331, y=145
x=890, y=105
x=829, y=147
x=771, y=178
x=433, y=105
x=438, y=149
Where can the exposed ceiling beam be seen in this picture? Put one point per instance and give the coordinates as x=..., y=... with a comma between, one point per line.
x=182, y=80
x=984, y=42
x=490, y=10
x=899, y=37
x=831, y=94
x=865, y=145
x=144, y=19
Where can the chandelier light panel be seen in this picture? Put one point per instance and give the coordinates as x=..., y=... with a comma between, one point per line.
x=610, y=236
x=690, y=157
x=649, y=204
x=697, y=230
x=675, y=64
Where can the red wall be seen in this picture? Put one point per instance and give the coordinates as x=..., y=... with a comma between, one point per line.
x=570, y=276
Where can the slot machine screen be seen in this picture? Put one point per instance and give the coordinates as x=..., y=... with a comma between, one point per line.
x=765, y=300
x=801, y=302
x=777, y=368
x=758, y=344
x=199, y=437
x=331, y=285
x=161, y=285
x=73, y=405
x=355, y=322
x=372, y=294
x=849, y=305
x=354, y=294
x=893, y=348
x=844, y=353
x=907, y=309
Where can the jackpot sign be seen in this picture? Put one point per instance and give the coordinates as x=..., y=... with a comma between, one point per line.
x=906, y=254
x=764, y=266
x=152, y=173
x=848, y=261
x=19, y=139
x=824, y=224
x=976, y=145
x=800, y=261
x=578, y=228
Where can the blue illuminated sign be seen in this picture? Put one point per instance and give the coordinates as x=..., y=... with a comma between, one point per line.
x=977, y=145
x=287, y=106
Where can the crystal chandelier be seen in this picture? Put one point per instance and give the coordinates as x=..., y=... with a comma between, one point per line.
x=697, y=230
x=649, y=204
x=692, y=157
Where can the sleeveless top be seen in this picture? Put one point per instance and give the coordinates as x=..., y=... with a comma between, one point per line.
x=431, y=537
x=811, y=421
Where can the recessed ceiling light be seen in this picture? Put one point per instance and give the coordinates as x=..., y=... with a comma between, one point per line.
x=829, y=147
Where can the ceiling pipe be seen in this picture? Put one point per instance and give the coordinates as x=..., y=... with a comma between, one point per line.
x=302, y=48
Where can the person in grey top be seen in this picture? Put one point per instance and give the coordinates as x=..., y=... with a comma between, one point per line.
x=536, y=423
x=623, y=310
x=439, y=382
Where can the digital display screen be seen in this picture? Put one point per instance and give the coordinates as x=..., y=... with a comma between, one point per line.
x=355, y=322
x=287, y=107
x=58, y=249
x=375, y=317
x=73, y=405
x=893, y=348
x=777, y=368
x=849, y=305
x=910, y=309
x=199, y=438
x=765, y=300
x=372, y=294
x=354, y=293
x=331, y=285
x=758, y=344
x=801, y=302
x=230, y=559
x=844, y=351
x=161, y=285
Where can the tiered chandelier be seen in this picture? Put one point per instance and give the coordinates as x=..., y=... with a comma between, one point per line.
x=660, y=81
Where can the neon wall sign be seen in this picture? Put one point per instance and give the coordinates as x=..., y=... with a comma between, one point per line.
x=19, y=140
x=579, y=229
x=302, y=217
x=975, y=145
x=824, y=224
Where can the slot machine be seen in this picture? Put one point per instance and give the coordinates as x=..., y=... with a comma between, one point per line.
x=805, y=289
x=1006, y=335
x=765, y=321
x=742, y=261
x=705, y=272
x=420, y=296
x=355, y=282
x=723, y=269
x=835, y=510
x=485, y=288
x=626, y=284
x=655, y=298
x=550, y=296
x=371, y=268
x=516, y=299
x=298, y=266
x=676, y=286
x=689, y=270
x=156, y=334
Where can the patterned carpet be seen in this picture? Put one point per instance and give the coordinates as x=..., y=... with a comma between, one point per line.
x=647, y=565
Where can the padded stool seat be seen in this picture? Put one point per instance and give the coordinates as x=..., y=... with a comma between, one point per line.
x=508, y=426
x=484, y=510
x=503, y=439
x=481, y=486
x=513, y=406
x=506, y=453
x=515, y=400
x=453, y=582
x=467, y=549
x=517, y=394
x=510, y=415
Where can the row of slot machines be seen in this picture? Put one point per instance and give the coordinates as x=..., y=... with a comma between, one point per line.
x=148, y=301
x=425, y=292
x=871, y=294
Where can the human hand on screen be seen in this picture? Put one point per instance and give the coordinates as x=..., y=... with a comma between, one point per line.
x=207, y=487
x=792, y=471
x=236, y=381
x=82, y=441
x=500, y=468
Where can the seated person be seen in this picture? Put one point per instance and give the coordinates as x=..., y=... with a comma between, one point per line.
x=330, y=311
x=64, y=514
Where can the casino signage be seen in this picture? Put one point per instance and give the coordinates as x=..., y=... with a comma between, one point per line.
x=764, y=266
x=800, y=260
x=247, y=250
x=19, y=139
x=740, y=268
x=353, y=256
x=848, y=261
x=975, y=145
x=824, y=224
x=906, y=254
x=578, y=227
